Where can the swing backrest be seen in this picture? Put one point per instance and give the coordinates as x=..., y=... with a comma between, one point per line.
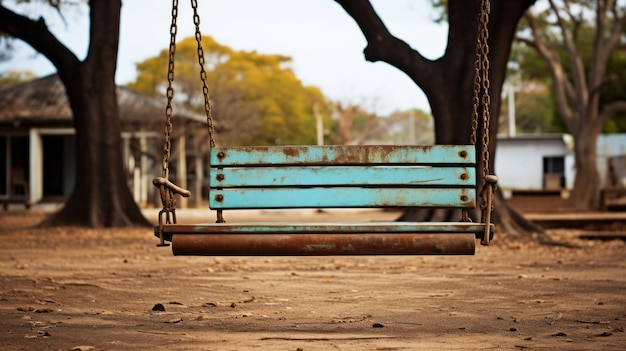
x=274, y=177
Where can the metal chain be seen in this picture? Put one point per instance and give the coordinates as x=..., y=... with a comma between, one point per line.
x=203, y=77
x=482, y=83
x=170, y=91
x=486, y=103
x=477, y=78
x=205, y=89
x=486, y=98
x=167, y=197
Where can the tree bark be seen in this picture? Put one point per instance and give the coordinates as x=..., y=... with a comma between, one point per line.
x=448, y=81
x=586, y=192
x=101, y=197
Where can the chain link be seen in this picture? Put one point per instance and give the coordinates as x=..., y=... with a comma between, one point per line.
x=170, y=91
x=486, y=99
x=203, y=76
x=486, y=103
x=482, y=83
x=477, y=78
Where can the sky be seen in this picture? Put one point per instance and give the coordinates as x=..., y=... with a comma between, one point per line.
x=325, y=44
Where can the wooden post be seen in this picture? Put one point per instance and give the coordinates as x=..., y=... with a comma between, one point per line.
x=145, y=179
x=198, y=186
x=320, y=125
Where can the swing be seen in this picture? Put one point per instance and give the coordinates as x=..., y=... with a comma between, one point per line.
x=335, y=176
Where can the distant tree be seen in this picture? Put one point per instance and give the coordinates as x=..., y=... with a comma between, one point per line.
x=101, y=197
x=413, y=127
x=15, y=77
x=560, y=34
x=355, y=125
x=257, y=98
x=529, y=66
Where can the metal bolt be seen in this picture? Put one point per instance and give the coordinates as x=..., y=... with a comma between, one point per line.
x=219, y=197
x=220, y=177
x=463, y=198
x=463, y=154
x=221, y=155
x=464, y=176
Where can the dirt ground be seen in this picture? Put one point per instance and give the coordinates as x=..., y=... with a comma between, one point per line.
x=78, y=289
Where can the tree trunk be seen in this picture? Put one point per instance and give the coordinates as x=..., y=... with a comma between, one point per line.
x=101, y=197
x=459, y=82
x=448, y=83
x=586, y=191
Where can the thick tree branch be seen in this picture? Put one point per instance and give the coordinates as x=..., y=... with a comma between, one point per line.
x=603, y=44
x=37, y=35
x=563, y=89
x=597, y=89
x=577, y=66
x=381, y=44
x=610, y=110
x=606, y=40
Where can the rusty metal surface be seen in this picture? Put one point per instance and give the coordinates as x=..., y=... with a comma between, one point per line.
x=322, y=244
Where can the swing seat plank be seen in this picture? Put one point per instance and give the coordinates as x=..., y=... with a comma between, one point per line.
x=342, y=177
x=342, y=155
x=340, y=198
x=295, y=177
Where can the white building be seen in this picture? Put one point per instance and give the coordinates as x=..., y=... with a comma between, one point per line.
x=546, y=162
x=535, y=163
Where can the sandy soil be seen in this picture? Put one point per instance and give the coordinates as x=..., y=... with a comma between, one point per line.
x=77, y=289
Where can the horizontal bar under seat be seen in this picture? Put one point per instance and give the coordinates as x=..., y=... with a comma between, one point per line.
x=342, y=155
x=363, y=228
x=341, y=176
x=276, y=198
x=322, y=244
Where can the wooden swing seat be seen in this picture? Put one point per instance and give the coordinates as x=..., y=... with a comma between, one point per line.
x=296, y=177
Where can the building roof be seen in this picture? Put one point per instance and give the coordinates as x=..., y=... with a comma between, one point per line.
x=534, y=139
x=43, y=101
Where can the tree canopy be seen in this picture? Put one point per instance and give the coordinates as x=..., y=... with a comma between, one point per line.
x=256, y=98
x=15, y=77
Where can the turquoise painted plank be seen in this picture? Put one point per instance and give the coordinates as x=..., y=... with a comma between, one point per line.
x=256, y=198
x=340, y=176
x=325, y=227
x=341, y=154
